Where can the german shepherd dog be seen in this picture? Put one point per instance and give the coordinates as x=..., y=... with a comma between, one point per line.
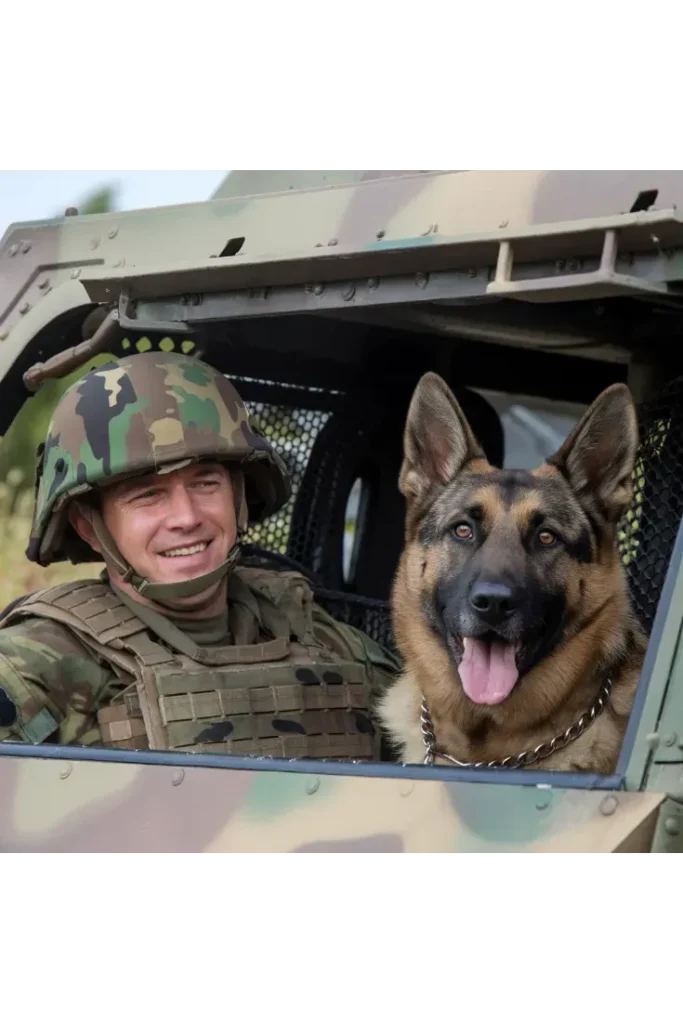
x=510, y=603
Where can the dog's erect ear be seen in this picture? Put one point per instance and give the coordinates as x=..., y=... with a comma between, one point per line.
x=599, y=455
x=438, y=441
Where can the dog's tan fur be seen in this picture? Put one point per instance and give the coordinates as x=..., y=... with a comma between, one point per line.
x=600, y=636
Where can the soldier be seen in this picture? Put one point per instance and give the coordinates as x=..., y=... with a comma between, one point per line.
x=151, y=466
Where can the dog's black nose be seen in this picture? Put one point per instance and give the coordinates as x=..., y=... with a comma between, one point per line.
x=493, y=602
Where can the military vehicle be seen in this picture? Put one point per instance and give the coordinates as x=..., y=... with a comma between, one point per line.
x=325, y=296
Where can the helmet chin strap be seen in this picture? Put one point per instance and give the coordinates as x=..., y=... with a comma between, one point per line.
x=164, y=592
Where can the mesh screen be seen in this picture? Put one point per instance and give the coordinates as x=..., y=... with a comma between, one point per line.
x=649, y=528
x=292, y=432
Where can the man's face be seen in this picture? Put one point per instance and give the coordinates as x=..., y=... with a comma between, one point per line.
x=175, y=526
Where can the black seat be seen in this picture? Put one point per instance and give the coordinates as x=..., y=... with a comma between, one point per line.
x=363, y=441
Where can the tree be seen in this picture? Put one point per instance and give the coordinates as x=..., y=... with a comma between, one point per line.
x=18, y=447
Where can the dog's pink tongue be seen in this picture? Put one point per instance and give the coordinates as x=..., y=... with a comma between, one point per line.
x=488, y=671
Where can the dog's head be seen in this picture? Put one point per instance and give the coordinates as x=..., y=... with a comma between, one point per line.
x=504, y=565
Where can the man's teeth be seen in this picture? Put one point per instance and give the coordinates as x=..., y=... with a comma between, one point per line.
x=194, y=549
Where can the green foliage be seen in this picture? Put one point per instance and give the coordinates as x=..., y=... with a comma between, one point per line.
x=101, y=201
x=18, y=447
x=18, y=576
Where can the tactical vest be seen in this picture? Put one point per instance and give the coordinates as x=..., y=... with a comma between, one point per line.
x=289, y=696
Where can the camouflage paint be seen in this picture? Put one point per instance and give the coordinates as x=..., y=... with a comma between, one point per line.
x=43, y=264
x=62, y=805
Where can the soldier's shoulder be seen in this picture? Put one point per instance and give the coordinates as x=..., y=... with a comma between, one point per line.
x=266, y=578
x=32, y=633
x=37, y=639
x=349, y=641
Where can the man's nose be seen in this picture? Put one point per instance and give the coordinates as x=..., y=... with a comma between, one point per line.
x=181, y=511
x=493, y=601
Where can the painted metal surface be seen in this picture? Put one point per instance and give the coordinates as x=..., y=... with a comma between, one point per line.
x=60, y=805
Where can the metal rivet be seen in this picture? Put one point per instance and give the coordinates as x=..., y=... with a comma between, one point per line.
x=66, y=770
x=373, y=282
x=94, y=242
x=407, y=788
x=349, y=291
x=430, y=230
x=609, y=805
x=120, y=263
x=312, y=786
x=71, y=211
x=13, y=250
x=332, y=241
x=652, y=740
x=75, y=273
x=381, y=234
x=178, y=777
x=25, y=308
x=670, y=740
x=504, y=223
x=44, y=284
x=318, y=289
x=421, y=280
x=672, y=826
x=26, y=247
x=544, y=797
x=4, y=335
x=113, y=233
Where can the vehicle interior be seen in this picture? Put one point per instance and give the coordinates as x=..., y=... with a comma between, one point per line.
x=332, y=391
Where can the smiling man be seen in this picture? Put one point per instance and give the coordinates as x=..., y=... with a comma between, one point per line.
x=152, y=466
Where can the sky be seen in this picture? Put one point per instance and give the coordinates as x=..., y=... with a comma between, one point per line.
x=34, y=195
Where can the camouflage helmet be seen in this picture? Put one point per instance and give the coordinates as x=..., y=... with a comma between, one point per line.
x=138, y=415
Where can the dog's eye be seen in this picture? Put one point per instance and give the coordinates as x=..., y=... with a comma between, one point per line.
x=463, y=531
x=547, y=538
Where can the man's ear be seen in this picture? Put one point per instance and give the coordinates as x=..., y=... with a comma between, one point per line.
x=80, y=520
x=599, y=455
x=437, y=441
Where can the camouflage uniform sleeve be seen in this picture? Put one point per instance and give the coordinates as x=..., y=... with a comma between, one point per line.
x=50, y=687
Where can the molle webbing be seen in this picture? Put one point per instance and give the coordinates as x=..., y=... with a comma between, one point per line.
x=281, y=697
x=249, y=713
x=90, y=605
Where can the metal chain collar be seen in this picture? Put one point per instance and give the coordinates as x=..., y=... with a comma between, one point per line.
x=527, y=757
